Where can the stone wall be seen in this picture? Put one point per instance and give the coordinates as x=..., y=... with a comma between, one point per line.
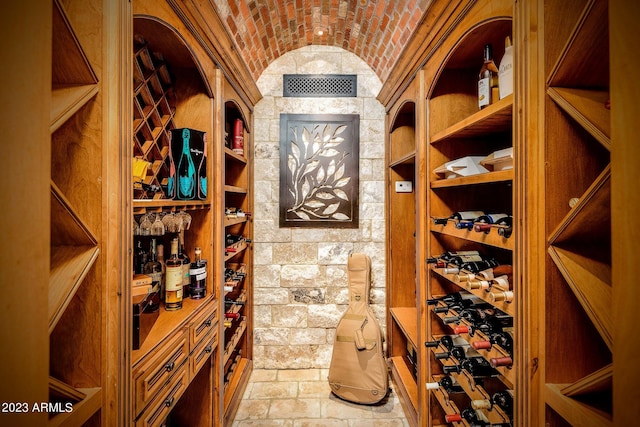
x=300, y=281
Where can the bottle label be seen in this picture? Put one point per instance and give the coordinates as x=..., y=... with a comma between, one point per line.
x=199, y=273
x=484, y=92
x=173, y=279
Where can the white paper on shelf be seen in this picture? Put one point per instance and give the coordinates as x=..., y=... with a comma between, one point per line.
x=499, y=160
x=464, y=166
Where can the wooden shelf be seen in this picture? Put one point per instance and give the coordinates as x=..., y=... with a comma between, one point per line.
x=234, y=189
x=158, y=205
x=406, y=384
x=495, y=118
x=82, y=410
x=584, y=61
x=407, y=319
x=594, y=294
x=407, y=159
x=232, y=155
x=166, y=324
x=483, y=178
x=587, y=107
x=67, y=100
x=574, y=411
x=598, y=381
x=492, y=238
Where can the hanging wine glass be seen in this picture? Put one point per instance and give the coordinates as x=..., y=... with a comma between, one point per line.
x=157, y=228
x=169, y=222
x=136, y=228
x=145, y=225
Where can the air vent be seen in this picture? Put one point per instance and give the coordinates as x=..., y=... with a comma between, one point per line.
x=320, y=85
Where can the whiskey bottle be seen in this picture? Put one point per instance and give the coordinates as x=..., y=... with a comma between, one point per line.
x=173, y=280
x=198, y=276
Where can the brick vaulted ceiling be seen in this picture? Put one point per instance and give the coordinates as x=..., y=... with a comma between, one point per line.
x=374, y=30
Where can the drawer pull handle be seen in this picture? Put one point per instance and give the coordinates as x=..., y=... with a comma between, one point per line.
x=208, y=322
x=169, y=366
x=169, y=402
x=207, y=349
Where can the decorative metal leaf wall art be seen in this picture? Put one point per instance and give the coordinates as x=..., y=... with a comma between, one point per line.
x=319, y=155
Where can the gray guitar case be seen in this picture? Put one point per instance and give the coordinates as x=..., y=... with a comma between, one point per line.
x=358, y=371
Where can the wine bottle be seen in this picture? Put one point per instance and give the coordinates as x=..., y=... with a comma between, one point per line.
x=140, y=258
x=448, y=342
x=186, y=266
x=484, y=222
x=501, y=361
x=504, y=399
x=452, y=298
x=505, y=70
x=173, y=280
x=153, y=268
x=228, y=301
x=198, y=275
x=487, y=79
x=505, y=226
x=232, y=315
x=482, y=279
x=503, y=338
x=501, y=296
x=462, y=219
x=186, y=170
x=238, y=137
x=478, y=367
x=160, y=251
x=446, y=383
x=442, y=260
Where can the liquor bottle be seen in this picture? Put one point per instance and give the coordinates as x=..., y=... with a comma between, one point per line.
x=160, y=251
x=186, y=266
x=487, y=80
x=173, y=279
x=462, y=219
x=484, y=222
x=140, y=258
x=186, y=170
x=198, y=276
x=505, y=226
x=447, y=383
x=238, y=137
x=153, y=268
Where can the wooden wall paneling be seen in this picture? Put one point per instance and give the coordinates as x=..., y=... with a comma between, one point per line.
x=623, y=42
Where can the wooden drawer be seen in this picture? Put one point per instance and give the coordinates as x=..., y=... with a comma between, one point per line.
x=203, y=324
x=153, y=373
x=203, y=352
x=163, y=403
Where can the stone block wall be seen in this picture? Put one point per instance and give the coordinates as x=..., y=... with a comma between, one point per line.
x=300, y=280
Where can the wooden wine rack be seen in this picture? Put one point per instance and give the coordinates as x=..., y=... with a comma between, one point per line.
x=578, y=235
x=154, y=110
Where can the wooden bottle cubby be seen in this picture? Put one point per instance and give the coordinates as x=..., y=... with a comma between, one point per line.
x=578, y=308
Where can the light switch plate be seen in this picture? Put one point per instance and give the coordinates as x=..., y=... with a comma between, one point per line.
x=404, y=187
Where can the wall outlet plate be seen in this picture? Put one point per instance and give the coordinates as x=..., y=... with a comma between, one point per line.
x=404, y=187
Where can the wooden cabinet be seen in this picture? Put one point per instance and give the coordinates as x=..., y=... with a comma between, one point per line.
x=577, y=311
x=235, y=237
x=403, y=293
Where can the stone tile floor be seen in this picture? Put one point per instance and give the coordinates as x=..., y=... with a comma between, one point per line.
x=302, y=398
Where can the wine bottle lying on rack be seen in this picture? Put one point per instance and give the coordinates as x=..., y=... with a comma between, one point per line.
x=447, y=383
x=503, y=338
x=485, y=223
x=477, y=367
x=470, y=266
x=446, y=257
x=458, y=305
x=486, y=274
x=462, y=219
x=502, y=399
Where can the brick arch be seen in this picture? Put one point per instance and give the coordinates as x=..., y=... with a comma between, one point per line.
x=374, y=30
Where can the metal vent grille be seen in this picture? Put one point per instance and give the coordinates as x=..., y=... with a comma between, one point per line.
x=320, y=85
